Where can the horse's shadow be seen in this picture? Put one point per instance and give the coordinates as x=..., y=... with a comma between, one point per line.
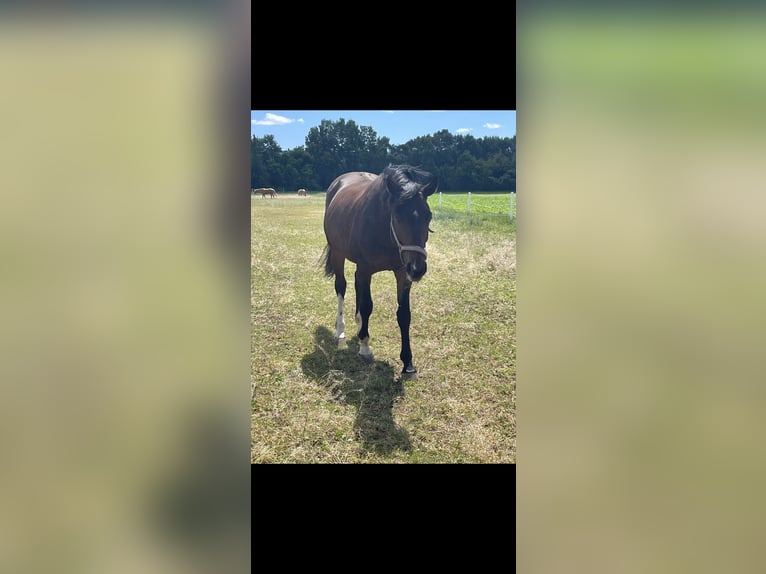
x=370, y=387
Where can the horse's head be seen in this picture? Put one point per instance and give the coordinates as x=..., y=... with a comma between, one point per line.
x=408, y=189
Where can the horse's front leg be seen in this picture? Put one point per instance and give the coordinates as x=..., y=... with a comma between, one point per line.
x=362, y=281
x=403, y=318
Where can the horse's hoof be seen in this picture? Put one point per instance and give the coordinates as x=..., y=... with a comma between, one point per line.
x=365, y=358
x=340, y=339
x=410, y=373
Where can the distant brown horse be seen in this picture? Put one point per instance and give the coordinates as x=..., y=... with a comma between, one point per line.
x=380, y=222
x=302, y=192
x=264, y=191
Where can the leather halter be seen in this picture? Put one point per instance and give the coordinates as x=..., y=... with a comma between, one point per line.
x=415, y=248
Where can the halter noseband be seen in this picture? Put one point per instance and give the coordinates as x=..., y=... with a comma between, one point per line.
x=401, y=247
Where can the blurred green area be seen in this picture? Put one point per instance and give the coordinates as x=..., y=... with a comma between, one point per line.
x=641, y=291
x=674, y=66
x=124, y=423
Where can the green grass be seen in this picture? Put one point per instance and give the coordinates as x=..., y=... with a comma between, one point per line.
x=490, y=203
x=490, y=212
x=315, y=402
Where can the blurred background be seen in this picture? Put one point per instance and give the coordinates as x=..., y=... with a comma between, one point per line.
x=124, y=422
x=642, y=289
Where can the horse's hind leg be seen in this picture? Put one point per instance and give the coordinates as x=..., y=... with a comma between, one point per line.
x=337, y=264
x=362, y=282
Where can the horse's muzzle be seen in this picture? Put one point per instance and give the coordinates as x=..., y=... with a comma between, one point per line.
x=416, y=269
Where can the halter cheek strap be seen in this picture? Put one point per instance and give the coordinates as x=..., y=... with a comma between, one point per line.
x=401, y=247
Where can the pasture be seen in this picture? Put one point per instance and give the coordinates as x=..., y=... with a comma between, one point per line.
x=481, y=203
x=315, y=402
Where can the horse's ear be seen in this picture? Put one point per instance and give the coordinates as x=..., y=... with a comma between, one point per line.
x=431, y=187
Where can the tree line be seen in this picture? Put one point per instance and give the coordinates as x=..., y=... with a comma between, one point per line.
x=462, y=162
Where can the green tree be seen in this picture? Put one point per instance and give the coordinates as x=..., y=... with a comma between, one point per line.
x=461, y=162
x=341, y=146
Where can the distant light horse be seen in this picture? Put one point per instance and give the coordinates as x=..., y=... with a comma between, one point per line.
x=302, y=192
x=380, y=222
x=264, y=191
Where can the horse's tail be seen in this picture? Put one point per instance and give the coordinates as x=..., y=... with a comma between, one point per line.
x=328, y=271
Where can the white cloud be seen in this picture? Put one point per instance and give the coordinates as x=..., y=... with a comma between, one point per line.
x=273, y=120
x=491, y=126
x=387, y=111
x=464, y=130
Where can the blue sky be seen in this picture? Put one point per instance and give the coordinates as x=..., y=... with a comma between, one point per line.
x=290, y=127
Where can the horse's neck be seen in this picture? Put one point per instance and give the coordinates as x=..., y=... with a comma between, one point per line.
x=377, y=201
x=373, y=206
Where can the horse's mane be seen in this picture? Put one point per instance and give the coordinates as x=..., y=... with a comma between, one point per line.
x=410, y=180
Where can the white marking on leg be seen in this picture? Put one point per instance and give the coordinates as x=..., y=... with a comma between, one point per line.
x=358, y=320
x=340, y=327
x=364, y=347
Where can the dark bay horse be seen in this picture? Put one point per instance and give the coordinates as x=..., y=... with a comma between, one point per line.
x=380, y=222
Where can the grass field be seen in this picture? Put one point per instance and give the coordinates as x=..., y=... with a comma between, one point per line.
x=314, y=402
x=487, y=203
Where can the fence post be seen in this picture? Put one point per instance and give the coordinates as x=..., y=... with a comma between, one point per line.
x=440, y=200
x=469, y=202
x=513, y=197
